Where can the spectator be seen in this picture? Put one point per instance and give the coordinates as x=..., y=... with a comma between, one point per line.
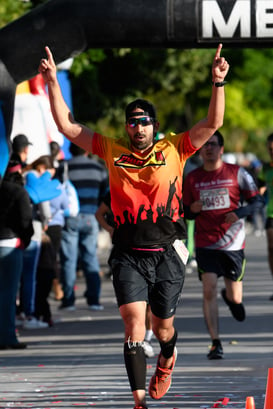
x=55, y=152
x=15, y=235
x=57, y=220
x=49, y=263
x=41, y=217
x=44, y=278
x=81, y=233
x=20, y=147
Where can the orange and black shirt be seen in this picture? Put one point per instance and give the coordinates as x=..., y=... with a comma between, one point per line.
x=146, y=189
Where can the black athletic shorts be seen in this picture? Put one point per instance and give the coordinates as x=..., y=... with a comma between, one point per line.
x=229, y=264
x=156, y=277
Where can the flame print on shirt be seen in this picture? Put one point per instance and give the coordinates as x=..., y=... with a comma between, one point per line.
x=130, y=161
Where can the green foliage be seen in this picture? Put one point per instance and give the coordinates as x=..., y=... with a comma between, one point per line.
x=249, y=103
x=113, y=77
x=12, y=9
x=178, y=82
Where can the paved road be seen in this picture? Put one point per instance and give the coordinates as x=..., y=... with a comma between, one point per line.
x=79, y=361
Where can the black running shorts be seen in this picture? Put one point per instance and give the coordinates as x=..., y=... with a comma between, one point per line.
x=155, y=277
x=229, y=264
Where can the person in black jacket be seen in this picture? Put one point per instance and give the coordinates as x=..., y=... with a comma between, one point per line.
x=15, y=234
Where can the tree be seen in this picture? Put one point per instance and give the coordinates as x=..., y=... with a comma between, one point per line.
x=178, y=82
x=12, y=9
x=104, y=81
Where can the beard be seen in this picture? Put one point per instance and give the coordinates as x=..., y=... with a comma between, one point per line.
x=141, y=142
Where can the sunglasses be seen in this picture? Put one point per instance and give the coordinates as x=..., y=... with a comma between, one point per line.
x=145, y=121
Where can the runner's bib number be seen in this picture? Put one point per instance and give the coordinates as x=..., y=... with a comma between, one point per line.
x=215, y=199
x=181, y=250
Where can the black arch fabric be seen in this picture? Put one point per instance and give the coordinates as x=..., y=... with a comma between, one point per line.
x=69, y=27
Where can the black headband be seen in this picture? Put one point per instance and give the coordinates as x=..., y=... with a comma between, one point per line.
x=138, y=113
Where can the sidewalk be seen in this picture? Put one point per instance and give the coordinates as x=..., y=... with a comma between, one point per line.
x=79, y=362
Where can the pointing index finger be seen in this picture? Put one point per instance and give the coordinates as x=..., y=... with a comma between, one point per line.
x=218, y=51
x=49, y=54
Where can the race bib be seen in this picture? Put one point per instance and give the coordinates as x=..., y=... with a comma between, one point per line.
x=215, y=199
x=181, y=250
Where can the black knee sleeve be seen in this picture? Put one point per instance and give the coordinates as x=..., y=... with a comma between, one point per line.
x=135, y=362
x=167, y=348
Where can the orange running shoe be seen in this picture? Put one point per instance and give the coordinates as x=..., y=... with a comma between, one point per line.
x=162, y=378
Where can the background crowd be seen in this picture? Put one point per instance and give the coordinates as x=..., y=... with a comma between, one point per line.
x=46, y=241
